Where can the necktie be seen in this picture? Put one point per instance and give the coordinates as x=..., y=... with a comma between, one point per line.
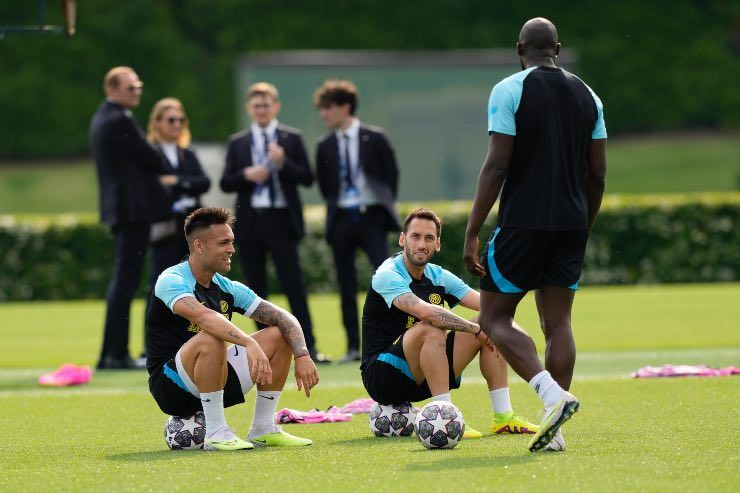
x=270, y=184
x=345, y=163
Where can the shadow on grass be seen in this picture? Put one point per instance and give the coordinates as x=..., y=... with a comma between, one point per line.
x=468, y=462
x=156, y=455
x=370, y=441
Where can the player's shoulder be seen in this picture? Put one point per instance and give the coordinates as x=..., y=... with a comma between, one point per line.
x=577, y=80
x=179, y=270
x=392, y=268
x=177, y=276
x=224, y=282
x=436, y=274
x=514, y=79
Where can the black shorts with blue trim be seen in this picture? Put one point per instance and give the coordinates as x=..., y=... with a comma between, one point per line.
x=520, y=260
x=175, y=399
x=388, y=379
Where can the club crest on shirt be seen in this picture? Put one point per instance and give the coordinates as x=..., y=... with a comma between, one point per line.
x=224, y=307
x=435, y=299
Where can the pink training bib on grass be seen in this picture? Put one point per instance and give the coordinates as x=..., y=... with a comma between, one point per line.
x=684, y=371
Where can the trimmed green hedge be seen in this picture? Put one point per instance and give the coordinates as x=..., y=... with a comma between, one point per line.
x=646, y=239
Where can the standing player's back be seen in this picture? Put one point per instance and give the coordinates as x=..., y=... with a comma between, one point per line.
x=554, y=115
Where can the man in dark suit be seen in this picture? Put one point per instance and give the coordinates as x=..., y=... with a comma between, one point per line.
x=264, y=165
x=129, y=172
x=358, y=177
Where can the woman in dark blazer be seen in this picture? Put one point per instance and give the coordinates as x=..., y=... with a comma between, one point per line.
x=169, y=133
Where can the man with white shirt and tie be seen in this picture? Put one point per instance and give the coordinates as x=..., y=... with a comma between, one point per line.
x=264, y=165
x=358, y=177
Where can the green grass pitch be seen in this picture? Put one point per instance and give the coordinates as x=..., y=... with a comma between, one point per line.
x=631, y=435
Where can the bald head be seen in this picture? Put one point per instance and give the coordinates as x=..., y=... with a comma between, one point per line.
x=538, y=39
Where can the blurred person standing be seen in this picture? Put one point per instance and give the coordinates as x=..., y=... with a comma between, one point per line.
x=358, y=177
x=264, y=165
x=129, y=172
x=169, y=132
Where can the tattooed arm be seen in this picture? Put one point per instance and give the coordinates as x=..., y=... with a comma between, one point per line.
x=435, y=315
x=269, y=314
x=306, y=373
x=210, y=321
x=220, y=327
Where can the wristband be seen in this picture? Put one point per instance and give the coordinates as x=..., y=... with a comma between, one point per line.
x=480, y=329
x=299, y=356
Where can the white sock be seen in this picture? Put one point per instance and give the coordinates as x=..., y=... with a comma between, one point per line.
x=265, y=404
x=547, y=388
x=213, y=409
x=500, y=400
x=443, y=397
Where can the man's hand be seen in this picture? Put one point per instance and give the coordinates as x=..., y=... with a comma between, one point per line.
x=487, y=342
x=306, y=374
x=259, y=366
x=257, y=174
x=168, y=180
x=276, y=155
x=470, y=255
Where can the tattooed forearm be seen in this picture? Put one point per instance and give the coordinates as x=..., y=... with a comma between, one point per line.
x=269, y=314
x=406, y=302
x=234, y=334
x=436, y=315
x=445, y=319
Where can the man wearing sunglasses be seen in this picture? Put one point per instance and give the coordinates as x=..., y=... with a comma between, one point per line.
x=129, y=173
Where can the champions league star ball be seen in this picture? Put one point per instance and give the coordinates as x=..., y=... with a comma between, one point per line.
x=439, y=424
x=395, y=420
x=186, y=432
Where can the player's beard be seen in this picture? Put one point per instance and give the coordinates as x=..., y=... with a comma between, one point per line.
x=410, y=256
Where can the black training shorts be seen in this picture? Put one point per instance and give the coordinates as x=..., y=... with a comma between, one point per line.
x=173, y=397
x=520, y=260
x=388, y=379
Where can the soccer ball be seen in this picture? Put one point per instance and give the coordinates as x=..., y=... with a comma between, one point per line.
x=392, y=421
x=185, y=432
x=439, y=424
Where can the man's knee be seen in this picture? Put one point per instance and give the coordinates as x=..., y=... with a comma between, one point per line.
x=204, y=342
x=272, y=338
x=426, y=332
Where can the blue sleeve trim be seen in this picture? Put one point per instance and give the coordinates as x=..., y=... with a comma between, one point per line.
x=503, y=284
x=503, y=103
x=396, y=362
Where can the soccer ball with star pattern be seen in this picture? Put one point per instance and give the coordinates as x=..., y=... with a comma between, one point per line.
x=395, y=420
x=439, y=424
x=185, y=432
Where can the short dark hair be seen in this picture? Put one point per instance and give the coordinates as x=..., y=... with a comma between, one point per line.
x=204, y=218
x=336, y=92
x=423, y=213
